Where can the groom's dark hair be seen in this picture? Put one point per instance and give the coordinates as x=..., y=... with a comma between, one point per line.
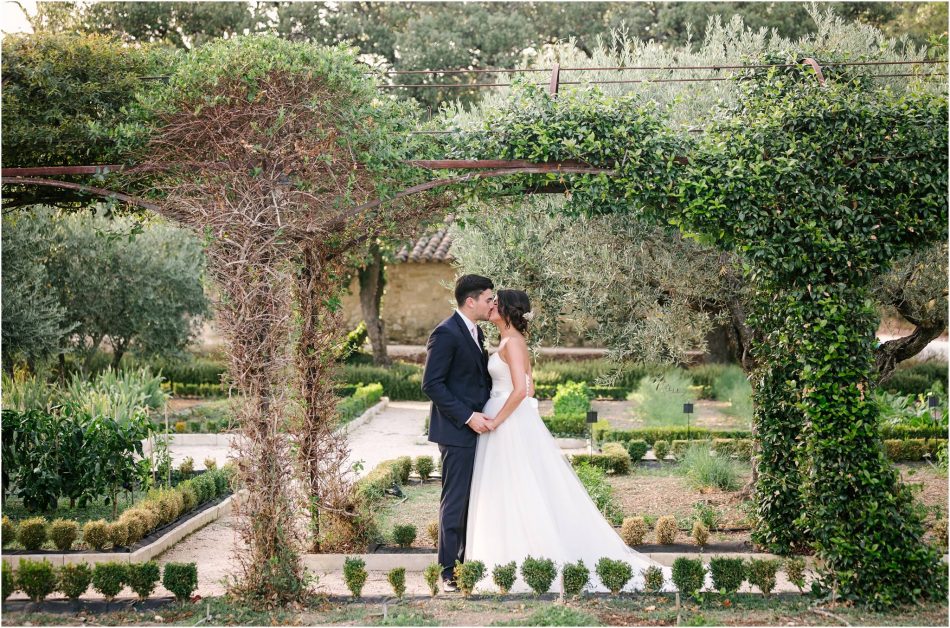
x=471, y=286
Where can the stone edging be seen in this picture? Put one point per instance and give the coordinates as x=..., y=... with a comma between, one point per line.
x=140, y=555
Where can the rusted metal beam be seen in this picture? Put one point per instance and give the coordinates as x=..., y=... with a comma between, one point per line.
x=68, y=185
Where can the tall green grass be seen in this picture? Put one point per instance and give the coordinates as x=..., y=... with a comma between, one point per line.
x=702, y=469
x=732, y=385
x=661, y=399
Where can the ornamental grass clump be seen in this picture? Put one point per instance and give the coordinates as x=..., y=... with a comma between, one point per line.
x=354, y=575
x=468, y=574
x=397, y=579
x=404, y=535
x=727, y=574
x=539, y=573
x=633, y=530
x=703, y=469
x=613, y=574
x=653, y=579
x=504, y=576
x=143, y=578
x=424, y=467
x=31, y=533
x=432, y=575
x=689, y=574
x=795, y=571
x=63, y=533
x=36, y=578
x=73, y=580
x=181, y=579
x=109, y=578
x=576, y=577
x=761, y=574
x=666, y=530
x=95, y=534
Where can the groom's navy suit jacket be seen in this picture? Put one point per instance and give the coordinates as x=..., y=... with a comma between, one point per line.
x=456, y=379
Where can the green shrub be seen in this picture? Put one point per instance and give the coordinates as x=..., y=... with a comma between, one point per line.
x=504, y=576
x=735, y=448
x=614, y=574
x=727, y=574
x=761, y=574
x=424, y=467
x=566, y=426
x=576, y=576
x=707, y=514
x=666, y=530
x=404, y=465
x=118, y=533
x=222, y=479
x=595, y=481
x=95, y=534
x=661, y=449
x=688, y=575
x=109, y=578
x=939, y=532
x=705, y=376
x=632, y=530
x=432, y=575
x=187, y=466
x=795, y=570
x=63, y=533
x=210, y=464
x=36, y=578
x=572, y=398
x=703, y=469
x=620, y=461
x=538, y=573
x=181, y=579
x=404, y=535
x=354, y=575
x=8, y=584
x=433, y=530
x=637, y=449
x=136, y=524
x=143, y=578
x=653, y=579
x=181, y=427
x=194, y=427
x=700, y=533
x=400, y=382
x=31, y=533
x=8, y=533
x=913, y=449
x=397, y=579
x=468, y=574
x=74, y=579
x=210, y=427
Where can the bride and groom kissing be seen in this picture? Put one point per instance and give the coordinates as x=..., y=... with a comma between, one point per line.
x=507, y=490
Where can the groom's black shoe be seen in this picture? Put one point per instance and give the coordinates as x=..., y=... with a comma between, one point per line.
x=449, y=587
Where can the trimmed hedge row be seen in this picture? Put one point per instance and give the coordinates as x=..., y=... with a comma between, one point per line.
x=363, y=398
x=913, y=449
x=38, y=579
x=160, y=507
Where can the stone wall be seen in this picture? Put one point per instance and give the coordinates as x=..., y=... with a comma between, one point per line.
x=418, y=297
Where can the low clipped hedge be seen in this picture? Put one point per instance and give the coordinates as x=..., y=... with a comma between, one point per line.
x=363, y=398
x=570, y=425
x=401, y=381
x=604, y=433
x=913, y=449
x=613, y=458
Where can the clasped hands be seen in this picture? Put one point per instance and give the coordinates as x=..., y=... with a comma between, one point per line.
x=482, y=423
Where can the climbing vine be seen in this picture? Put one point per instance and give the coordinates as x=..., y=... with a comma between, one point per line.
x=819, y=188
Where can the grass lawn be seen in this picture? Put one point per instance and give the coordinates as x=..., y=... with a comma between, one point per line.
x=527, y=610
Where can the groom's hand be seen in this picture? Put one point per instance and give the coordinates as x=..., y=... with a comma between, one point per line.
x=479, y=423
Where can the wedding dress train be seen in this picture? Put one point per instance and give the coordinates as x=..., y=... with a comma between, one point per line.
x=526, y=500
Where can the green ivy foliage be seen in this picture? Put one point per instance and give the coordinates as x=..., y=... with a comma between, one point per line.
x=818, y=188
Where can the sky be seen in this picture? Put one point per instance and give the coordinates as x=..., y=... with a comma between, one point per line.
x=12, y=19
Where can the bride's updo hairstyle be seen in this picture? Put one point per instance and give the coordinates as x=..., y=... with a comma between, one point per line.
x=512, y=307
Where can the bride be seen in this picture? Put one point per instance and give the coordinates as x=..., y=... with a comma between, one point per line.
x=525, y=498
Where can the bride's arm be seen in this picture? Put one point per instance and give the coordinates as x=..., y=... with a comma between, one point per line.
x=516, y=356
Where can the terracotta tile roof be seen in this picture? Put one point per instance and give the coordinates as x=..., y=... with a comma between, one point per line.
x=432, y=246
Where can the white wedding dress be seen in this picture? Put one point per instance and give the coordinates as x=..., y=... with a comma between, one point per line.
x=526, y=500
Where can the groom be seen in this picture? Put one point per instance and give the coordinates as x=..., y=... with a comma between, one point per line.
x=456, y=379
